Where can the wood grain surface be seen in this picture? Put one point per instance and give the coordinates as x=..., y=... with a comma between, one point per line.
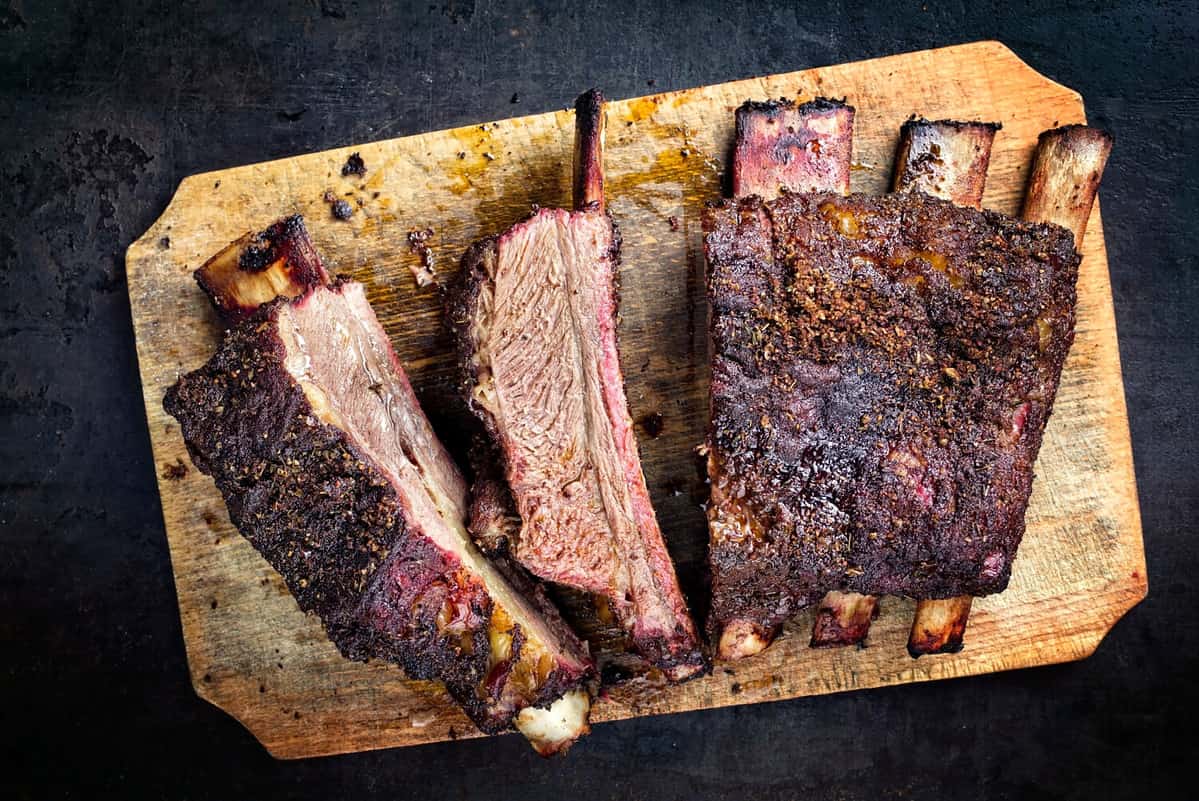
x=254, y=654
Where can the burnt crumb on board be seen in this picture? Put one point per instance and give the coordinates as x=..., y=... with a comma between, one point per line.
x=354, y=165
x=674, y=222
x=652, y=424
x=341, y=209
x=164, y=243
x=515, y=98
x=418, y=243
x=292, y=116
x=174, y=472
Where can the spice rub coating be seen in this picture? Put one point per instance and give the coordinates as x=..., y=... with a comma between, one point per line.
x=883, y=368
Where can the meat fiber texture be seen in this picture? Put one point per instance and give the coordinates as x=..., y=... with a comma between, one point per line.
x=535, y=317
x=328, y=466
x=883, y=369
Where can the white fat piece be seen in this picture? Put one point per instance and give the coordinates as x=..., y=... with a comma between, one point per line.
x=553, y=730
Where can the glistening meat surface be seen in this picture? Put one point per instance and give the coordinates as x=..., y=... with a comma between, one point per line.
x=883, y=369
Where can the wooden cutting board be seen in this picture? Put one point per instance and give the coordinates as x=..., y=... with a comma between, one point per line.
x=255, y=655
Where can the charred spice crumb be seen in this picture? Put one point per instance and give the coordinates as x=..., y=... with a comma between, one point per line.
x=342, y=210
x=354, y=166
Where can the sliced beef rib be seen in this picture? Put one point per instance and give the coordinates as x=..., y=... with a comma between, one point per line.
x=328, y=466
x=535, y=318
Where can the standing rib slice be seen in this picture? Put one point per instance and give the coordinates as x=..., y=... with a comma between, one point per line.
x=535, y=319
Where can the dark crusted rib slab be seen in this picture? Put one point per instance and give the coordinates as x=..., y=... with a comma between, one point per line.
x=328, y=466
x=883, y=369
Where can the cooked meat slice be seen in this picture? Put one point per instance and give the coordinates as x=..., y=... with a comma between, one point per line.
x=493, y=522
x=535, y=316
x=329, y=467
x=882, y=372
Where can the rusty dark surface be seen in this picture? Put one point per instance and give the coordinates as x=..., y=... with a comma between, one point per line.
x=105, y=107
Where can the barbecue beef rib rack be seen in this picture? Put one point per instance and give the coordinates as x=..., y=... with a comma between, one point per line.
x=882, y=372
x=254, y=654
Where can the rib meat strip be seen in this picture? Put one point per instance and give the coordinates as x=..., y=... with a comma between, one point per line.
x=946, y=159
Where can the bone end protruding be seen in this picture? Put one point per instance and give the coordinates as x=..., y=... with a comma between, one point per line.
x=947, y=159
x=741, y=639
x=783, y=146
x=1065, y=176
x=588, y=182
x=843, y=618
x=939, y=626
x=257, y=268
